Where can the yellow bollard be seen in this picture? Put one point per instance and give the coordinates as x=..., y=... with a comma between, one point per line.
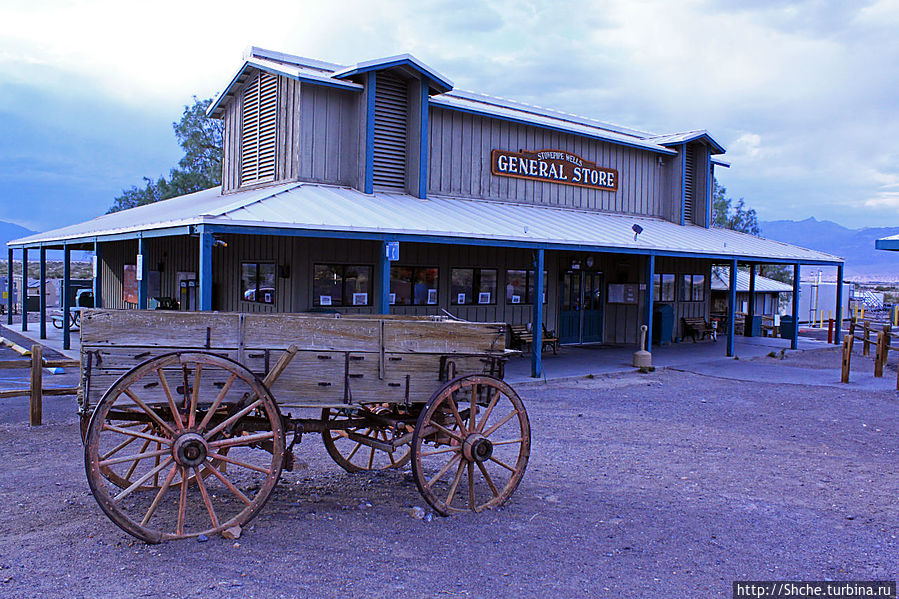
x=863, y=311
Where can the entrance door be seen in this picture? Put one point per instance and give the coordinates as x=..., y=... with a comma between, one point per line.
x=580, y=312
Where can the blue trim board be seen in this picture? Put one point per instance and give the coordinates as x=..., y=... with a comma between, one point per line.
x=142, y=284
x=383, y=298
x=710, y=175
x=370, y=91
x=523, y=121
x=204, y=282
x=91, y=239
x=888, y=243
x=441, y=82
x=731, y=307
x=683, y=182
x=424, y=141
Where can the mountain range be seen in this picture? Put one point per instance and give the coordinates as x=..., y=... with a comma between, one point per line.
x=856, y=246
x=10, y=231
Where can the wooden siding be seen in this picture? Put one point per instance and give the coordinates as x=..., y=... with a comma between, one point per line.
x=682, y=266
x=459, y=165
x=329, y=136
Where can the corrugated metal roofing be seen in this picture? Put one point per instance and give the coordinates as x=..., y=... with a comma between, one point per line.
x=721, y=282
x=318, y=71
x=314, y=207
x=686, y=137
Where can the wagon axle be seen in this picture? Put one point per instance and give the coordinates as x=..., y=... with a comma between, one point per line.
x=190, y=450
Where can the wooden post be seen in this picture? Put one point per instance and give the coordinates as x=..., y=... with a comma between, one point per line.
x=878, y=355
x=37, y=370
x=847, y=356
x=866, y=348
x=887, y=333
x=852, y=325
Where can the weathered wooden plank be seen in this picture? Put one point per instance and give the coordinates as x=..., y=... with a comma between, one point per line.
x=159, y=328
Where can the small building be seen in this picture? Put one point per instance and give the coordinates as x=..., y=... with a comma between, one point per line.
x=768, y=298
x=379, y=188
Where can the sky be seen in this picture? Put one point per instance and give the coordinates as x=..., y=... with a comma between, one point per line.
x=804, y=95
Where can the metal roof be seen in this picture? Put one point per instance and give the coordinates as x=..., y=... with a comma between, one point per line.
x=343, y=211
x=721, y=282
x=325, y=73
x=887, y=243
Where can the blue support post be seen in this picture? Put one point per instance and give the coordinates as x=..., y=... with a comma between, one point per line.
x=731, y=308
x=648, y=300
x=537, y=318
x=794, y=341
x=837, y=334
x=750, y=307
x=24, y=288
x=204, y=300
x=383, y=298
x=98, y=279
x=370, y=132
x=43, y=277
x=9, y=288
x=141, y=276
x=66, y=305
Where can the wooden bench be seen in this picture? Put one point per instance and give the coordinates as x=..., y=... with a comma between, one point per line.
x=697, y=326
x=522, y=338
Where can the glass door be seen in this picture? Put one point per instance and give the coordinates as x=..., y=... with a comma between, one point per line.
x=570, y=309
x=591, y=314
x=580, y=312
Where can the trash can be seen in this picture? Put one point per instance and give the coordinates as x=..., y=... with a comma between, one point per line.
x=787, y=325
x=662, y=324
x=752, y=326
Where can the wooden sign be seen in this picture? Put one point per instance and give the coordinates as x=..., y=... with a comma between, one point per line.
x=553, y=166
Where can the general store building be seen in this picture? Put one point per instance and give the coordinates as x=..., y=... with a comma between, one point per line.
x=379, y=188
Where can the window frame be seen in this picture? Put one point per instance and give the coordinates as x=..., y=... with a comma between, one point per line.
x=413, y=270
x=687, y=291
x=258, y=278
x=658, y=284
x=342, y=268
x=475, y=286
x=529, y=289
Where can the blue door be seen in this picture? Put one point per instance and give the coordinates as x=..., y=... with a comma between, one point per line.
x=580, y=312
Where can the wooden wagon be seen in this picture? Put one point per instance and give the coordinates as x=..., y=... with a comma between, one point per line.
x=184, y=436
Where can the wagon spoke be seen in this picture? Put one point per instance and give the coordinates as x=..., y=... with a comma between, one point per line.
x=124, y=444
x=455, y=484
x=135, y=456
x=489, y=480
x=222, y=457
x=493, y=428
x=158, y=459
x=217, y=402
x=165, y=487
x=151, y=413
x=199, y=478
x=503, y=464
x=141, y=480
x=234, y=418
x=138, y=434
x=134, y=465
x=471, y=502
x=509, y=442
x=425, y=454
x=171, y=400
x=241, y=440
x=208, y=465
x=355, y=449
x=444, y=470
x=182, y=502
x=194, y=396
x=490, y=406
x=473, y=409
x=443, y=429
x=452, y=403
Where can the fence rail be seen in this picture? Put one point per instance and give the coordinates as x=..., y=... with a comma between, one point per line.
x=36, y=390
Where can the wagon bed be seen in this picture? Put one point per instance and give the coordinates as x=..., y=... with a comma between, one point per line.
x=190, y=391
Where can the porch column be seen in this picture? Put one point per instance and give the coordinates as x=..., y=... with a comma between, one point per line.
x=43, y=325
x=750, y=312
x=98, y=281
x=837, y=334
x=24, y=288
x=66, y=306
x=794, y=342
x=537, y=318
x=9, y=287
x=382, y=300
x=731, y=308
x=648, y=299
x=204, y=300
x=141, y=276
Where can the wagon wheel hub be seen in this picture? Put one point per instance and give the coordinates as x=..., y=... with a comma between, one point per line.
x=477, y=448
x=190, y=450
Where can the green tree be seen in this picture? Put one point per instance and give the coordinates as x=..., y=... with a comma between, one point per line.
x=201, y=167
x=729, y=215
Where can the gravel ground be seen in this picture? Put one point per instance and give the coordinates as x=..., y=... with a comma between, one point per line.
x=669, y=484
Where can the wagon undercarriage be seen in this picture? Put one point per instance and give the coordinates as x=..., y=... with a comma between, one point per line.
x=192, y=442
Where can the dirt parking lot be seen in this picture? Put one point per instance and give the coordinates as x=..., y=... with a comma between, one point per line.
x=668, y=484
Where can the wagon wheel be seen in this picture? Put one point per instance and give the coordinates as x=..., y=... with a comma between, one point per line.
x=475, y=428
x=354, y=456
x=192, y=406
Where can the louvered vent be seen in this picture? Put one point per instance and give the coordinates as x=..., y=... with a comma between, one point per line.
x=689, y=183
x=391, y=107
x=257, y=138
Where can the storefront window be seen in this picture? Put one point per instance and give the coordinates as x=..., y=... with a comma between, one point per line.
x=473, y=286
x=413, y=285
x=520, y=286
x=663, y=287
x=341, y=285
x=693, y=288
x=257, y=282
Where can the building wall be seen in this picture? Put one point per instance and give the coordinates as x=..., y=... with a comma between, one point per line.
x=688, y=309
